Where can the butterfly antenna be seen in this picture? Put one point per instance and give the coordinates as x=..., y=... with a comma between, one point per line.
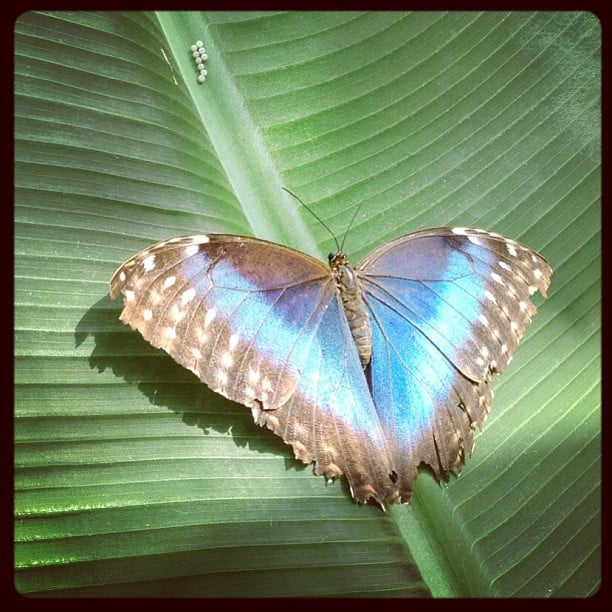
x=348, y=229
x=314, y=214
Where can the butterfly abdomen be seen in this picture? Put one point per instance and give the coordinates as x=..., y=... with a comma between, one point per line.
x=354, y=307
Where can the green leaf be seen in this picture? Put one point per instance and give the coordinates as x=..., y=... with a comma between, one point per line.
x=131, y=478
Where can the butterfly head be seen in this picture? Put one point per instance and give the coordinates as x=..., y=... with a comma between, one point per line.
x=340, y=266
x=337, y=259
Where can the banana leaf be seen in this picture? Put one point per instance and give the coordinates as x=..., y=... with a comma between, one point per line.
x=131, y=477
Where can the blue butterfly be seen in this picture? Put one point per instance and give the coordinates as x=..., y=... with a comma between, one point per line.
x=368, y=372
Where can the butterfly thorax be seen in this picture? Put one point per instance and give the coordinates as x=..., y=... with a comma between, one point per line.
x=354, y=307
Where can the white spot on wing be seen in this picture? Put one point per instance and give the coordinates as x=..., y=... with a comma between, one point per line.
x=511, y=249
x=497, y=278
x=196, y=353
x=177, y=313
x=122, y=276
x=504, y=266
x=233, y=341
x=191, y=250
x=187, y=296
x=169, y=282
x=200, y=239
x=273, y=421
x=147, y=315
x=227, y=360
x=255, y=412
x=130, y=296
x=155, y=297
x=170, y=333
x=210, y=315
x=149, y=263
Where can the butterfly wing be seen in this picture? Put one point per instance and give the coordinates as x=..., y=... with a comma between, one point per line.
x=263, y=325
x=447, y=307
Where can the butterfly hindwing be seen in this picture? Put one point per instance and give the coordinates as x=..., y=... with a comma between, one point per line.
x=331, y=418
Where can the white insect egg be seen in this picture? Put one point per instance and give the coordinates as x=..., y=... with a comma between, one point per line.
x=200, y=56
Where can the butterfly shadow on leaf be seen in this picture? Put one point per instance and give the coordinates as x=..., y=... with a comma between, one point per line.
x=167, y=384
